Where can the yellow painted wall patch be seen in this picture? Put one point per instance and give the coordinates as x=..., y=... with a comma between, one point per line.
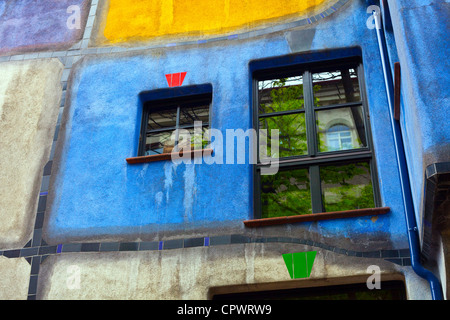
x=144, y=19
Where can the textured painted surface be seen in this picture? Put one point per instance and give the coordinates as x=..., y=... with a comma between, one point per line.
x=95, y=193
x=138, y=20
x=14, y=280
x=29, y=105
x=190, y=274
x=425, y=83
x=27, y=25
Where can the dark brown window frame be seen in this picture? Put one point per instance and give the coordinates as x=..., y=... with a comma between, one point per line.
x=337, y=157
x=161, y=98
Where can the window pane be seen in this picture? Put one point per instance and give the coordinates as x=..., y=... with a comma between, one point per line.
x=285, y=193
x=189, y=114
x=158, y=143
x=347, y=187
x=283, y=94
x=292, y=135
x=166, y=118
x=335, y=87
x=189, y=138
x=340, y=129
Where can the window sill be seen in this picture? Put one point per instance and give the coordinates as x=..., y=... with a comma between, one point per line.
x=315, y=217
x=168, y=156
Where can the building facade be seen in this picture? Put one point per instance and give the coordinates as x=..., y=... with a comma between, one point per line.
x=227, y=149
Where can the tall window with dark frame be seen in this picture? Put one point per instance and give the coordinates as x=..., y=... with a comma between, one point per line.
x=325, y=153
x=170, y=125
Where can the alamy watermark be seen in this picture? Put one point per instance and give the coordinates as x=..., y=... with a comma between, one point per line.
x=374, y=21
x=74, y=20
x=238, y=147
x=374, y=280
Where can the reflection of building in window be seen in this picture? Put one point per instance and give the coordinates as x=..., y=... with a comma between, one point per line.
x=339, y=137
x=324, y=153
x=336, y=87
x=349, y=120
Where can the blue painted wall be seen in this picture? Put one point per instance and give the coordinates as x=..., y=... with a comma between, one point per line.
x=95, y=192
x=420, y=28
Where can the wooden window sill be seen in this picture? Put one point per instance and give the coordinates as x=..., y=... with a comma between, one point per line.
x=315, y=217
x=168, y=156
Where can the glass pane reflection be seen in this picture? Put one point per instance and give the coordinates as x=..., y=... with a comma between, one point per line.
x=335, y=87
x=340, y=129
x=292, y=135
x=347, y=187
x=284, y=94
x=285, y=193
x=166, y=118
x=158, y=143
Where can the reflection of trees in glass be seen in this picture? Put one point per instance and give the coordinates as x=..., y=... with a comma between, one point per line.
x=286, y=94
x=344, y=187
x=292, y=134
x=347, y=187
x=286, y=193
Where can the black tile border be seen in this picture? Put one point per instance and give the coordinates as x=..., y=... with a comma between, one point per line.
x=193, y=242
x=129, y=246
x=35, y=255
x=90, y=247
x=109, y=246
x=186, y=243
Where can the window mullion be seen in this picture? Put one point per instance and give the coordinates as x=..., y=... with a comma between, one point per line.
x=177, y=133
x=257, y=200
x=314, y=172
x=365, y=111
x=316, y=190
x=255, y=98
x=308, y=97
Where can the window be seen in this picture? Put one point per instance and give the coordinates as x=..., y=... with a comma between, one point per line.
x=169, y=124
x=324, y=152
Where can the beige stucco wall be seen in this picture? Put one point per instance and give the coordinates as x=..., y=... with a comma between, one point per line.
x=15, y=276
x=197, y=273
x=30, y=93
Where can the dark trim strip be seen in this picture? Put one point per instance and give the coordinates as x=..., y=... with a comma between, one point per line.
x=315, y=217
x=338, y=157
x=35, y=259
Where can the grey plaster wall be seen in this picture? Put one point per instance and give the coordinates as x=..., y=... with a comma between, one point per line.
x=198, y=273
